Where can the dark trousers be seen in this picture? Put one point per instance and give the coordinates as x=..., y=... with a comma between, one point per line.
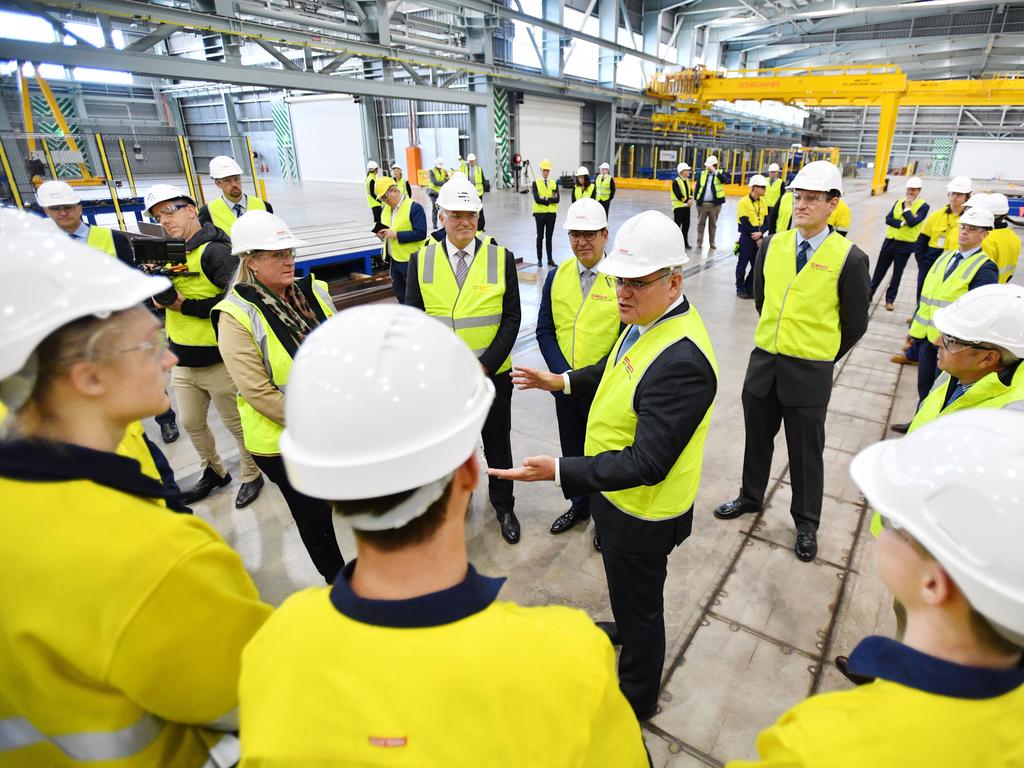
x=927, y=368
x=805, y=440
x=312, y=518
x=545, y=231
x=482, y=222
x=572, y=416
x=682, y=218
x=745, y=265
x=497, y=438
x=399, y=278
x=607, y=205
x=376, y=211
x=166, y=474
x=433, y=210
x=167, y=417
x=891, y=255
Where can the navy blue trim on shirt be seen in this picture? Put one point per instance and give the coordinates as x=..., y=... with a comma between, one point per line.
x=888, y=659
x=472, y=595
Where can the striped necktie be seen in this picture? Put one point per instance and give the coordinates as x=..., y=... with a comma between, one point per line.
x=238, y=210
x=801, y=255
x=953, y=263
x=461, y=268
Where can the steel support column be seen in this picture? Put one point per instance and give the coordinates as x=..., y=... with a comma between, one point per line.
x=239, y=150
x=481, y=128
x=608, y=24
x=552, y=40
x=604, y=137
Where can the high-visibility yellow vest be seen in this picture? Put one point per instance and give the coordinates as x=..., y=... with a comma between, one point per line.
x=371, y=198
x=772, y=192
x=585, y=328
x=940, y=291
x=687, y=190
x=546, y=188
x=800, y=314
x=398, y=220
x=129, y=663
x=840, y=217
x=702, y=190
x=942, y=227
x=102, y=239
x=578, y=192
x=603, y=183
x=186, y=330
x=905, y=234
x=477, y=177
x=437, y=176
x=1003, y=247
x=785, y=217
x=464, y=167
x=755, y=211
x=223, y=215
x=474, y=311
x=431, y=696
x=611, y=425
x=260, y=434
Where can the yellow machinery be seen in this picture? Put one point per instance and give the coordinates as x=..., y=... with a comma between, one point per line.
x=885, y=86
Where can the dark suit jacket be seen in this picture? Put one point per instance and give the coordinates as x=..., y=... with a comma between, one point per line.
x=511, y=314
x=809, y=382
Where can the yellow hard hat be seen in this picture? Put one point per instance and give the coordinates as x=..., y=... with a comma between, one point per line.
x=382, y=185
x=545, y=165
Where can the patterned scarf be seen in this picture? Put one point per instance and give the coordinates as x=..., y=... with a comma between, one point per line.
x=293, y=310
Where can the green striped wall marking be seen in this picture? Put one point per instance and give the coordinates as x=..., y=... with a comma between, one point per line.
x=283, y=133
x=501, y=136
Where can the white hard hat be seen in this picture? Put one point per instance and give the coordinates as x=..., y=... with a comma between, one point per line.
x=682, y=167
x=990, y=314
x=56, y=193
x=439, y=162
x=646, y=243
x=223, y=166
x=261, y=231
x=396, y=166
x=961, y=184
x=774, y=167
x=978, y=199
x=582, y=171
x=46, y=281
x=710, y=161
x=457, y=194
x=998, y=204
x=757, y=180
x=955, y=486
x=818, y=176
x=163, y=192
x=470, y=158
x=914, y=182
x=604, y=166
x=586, y=214
x=978, y=216
x=406, y=385
x=372, y=165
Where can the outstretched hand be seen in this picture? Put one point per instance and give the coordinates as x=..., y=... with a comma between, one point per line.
x=533, y=378
x=534, y=468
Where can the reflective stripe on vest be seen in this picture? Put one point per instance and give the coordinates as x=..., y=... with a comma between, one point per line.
x=772, y=192
x=702, y=191
x=223, y=215
x=800, y=314
x=474, y=311
x=588, y=191
x=905, y=234
x=18, y=733
x=371, y=199
x=102, y=239
x=546, y=188
x=785, y=212
x=604, y=187
x=585, y=328
x=402, y=223
x=939, y=291
x=685, y=188
x=186, y=330
x=611, y=425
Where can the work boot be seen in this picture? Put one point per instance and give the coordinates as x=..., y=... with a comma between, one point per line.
x=208, y=483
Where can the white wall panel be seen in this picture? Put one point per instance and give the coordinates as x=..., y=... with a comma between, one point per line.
x=551, y=129
x=988, y=159
x=328, y=138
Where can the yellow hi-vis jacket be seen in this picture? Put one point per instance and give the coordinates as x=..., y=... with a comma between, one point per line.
x=487, y=683
x=578, y=192
x=187, y=330
x=546, y=189
x=102, y=239
x=800, y=314
x=905, y=234
x=939, y=291
x=223, y=215
x=611, y=425
x=475, y=174
x=942, y=227
x=123, y=623
x=686, y=187
x=840, y=217
x=398, y=220
x=437, y=177
x=260, y=434
x=785, y=217
x=585, y=328
x=603, y=183
x=1003, y=247
x=773, y=192
x=474, y=311
x=371, y=198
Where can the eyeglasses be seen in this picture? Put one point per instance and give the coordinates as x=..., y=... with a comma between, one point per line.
x=954, y=345
x=461, y=215
x=155, y=347
x=588, y=236
x=166, y=212
x=637, y=285
x=287, y=254
x=809, y=197
x=62, y=208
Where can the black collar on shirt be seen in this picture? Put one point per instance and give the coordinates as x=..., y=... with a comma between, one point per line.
x=471, y=595
x=890, y=660
x=47, y=462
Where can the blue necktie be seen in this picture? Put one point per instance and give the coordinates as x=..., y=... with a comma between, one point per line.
x=238, y=210
x=952, y=264
x=629, y=341
x=801, y=255
x=958, y=392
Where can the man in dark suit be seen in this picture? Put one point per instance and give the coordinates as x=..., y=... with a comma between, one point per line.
x=644, y=445
x=812, y=292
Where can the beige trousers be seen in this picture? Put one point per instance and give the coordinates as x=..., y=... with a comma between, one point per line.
x=194, y=388
x=707, y=212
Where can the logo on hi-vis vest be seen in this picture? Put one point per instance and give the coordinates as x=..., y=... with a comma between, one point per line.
x=823, y=267
x=626, y=362
x=600, y=296
x=388, y=741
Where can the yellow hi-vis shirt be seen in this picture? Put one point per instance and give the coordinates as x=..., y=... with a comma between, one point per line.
x=840, y=217
x=942, y=227
x=755, y=211
x=223, y=215
x=585, y=328
x=921, y=712
x=123, y=623
x=102, y=239
x=455, y=679
x=398, y=220
x=186, y=330
x=1003, y=247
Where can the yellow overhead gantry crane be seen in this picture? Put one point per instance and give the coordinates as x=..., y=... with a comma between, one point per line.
x=884, y=86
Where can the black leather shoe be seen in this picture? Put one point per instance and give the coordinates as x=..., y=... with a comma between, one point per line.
x=169, y=432
x=806, y=545
x=551, y=262
x=611, y=629
x=733, y=509
x=208, y=483
x=900, y=428
x=743, y=295
x=509, y=526
x=248, y=492
x=564, y=522
x=597, y=541
x=842, y=663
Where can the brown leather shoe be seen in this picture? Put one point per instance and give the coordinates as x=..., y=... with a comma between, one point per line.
x=902, y=359
x=841, y=663
x=889, y=307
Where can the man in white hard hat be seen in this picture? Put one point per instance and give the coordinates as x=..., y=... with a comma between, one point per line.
x=583, y=187
x=470, y=284
x=403, y=183
x=953, y=274
x=410, y=656
x=645, y=442
x=545, y=210
x=200, y=375
x=233, y=202
x=405, y=230
x=903, y=227
x=475, y=174
x=1002, y=244
x=776, y=185
x=752, y=220
x=604, y=187
x=951, y=693
x=577, y=324
x=710, y=195
x=811, y=291
x=682, y=201
x=376, y=206
x=438, y=176
x=61, y=203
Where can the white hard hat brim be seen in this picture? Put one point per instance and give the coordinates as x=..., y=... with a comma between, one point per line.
x=619, y=265
x=277, y=245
